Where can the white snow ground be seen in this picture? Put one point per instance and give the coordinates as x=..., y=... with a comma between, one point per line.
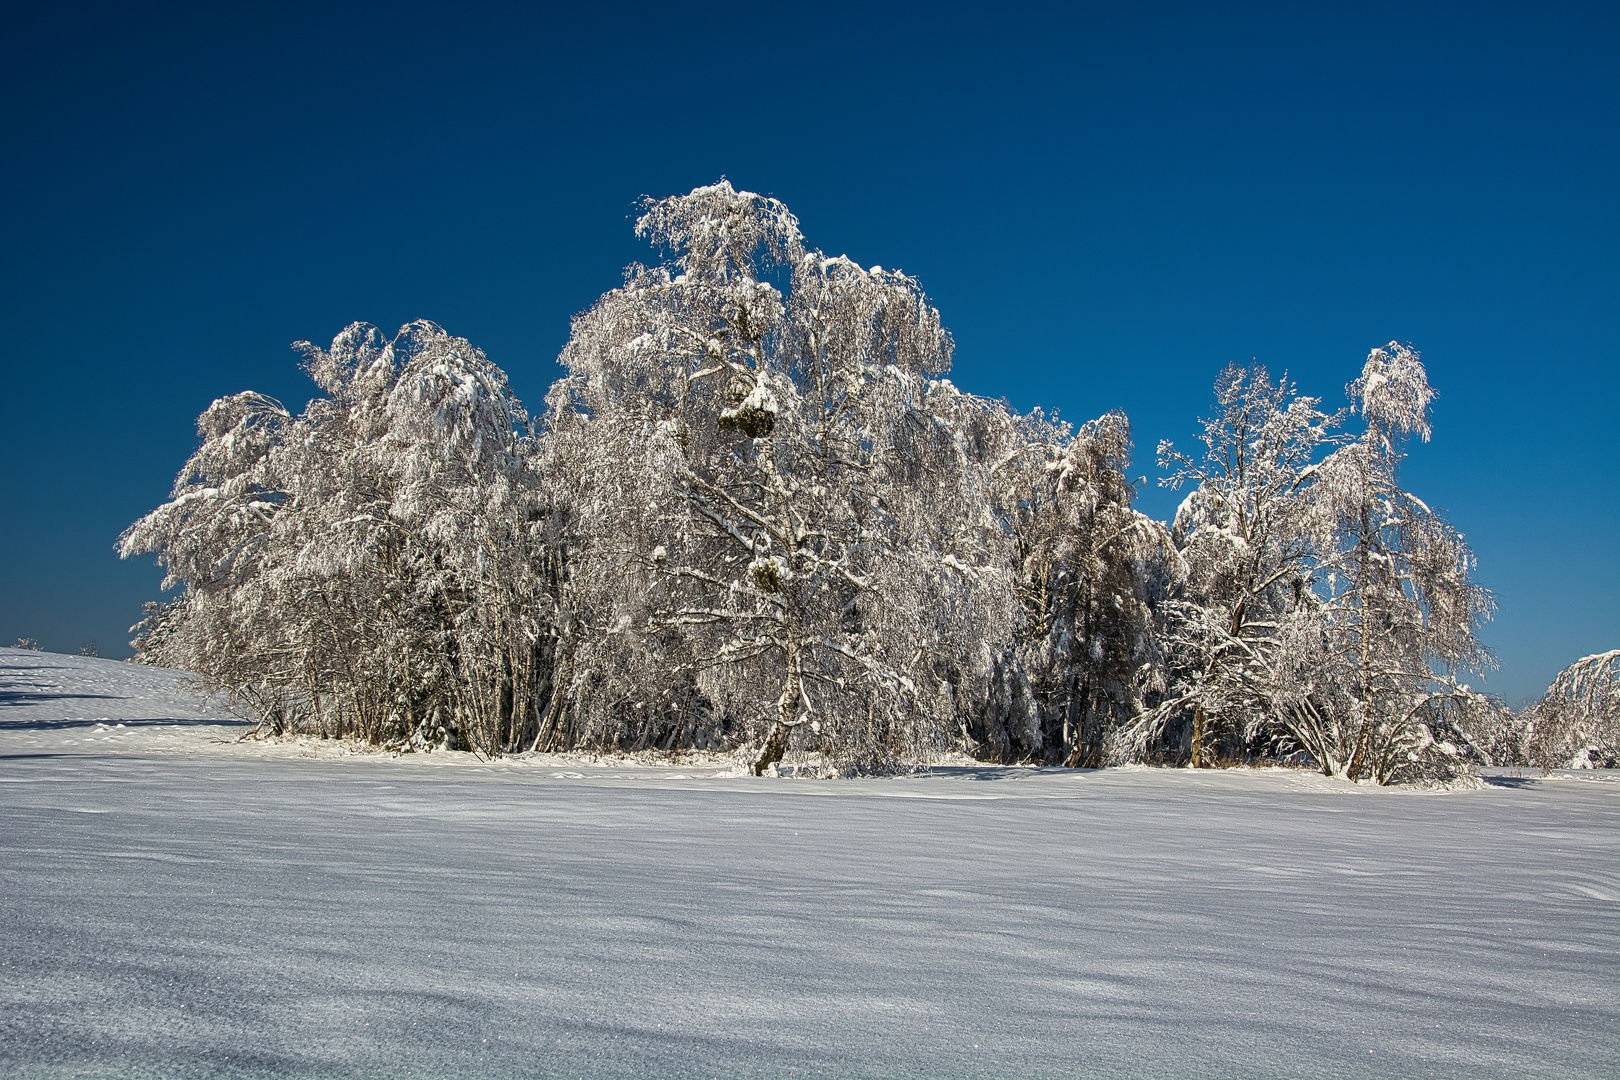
x=174, y=903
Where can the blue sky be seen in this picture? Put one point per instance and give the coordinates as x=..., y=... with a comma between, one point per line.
x=1107, y=203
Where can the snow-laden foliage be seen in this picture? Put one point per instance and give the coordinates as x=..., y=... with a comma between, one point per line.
x=1089, y=575
x=756, y=516
x=380, y=565
x=1397, y=607
x=783, y=532
x=1576, y=724
x=1325, y=608
x=1243, y=535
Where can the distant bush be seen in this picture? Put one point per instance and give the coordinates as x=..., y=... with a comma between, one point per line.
x=1576, y=724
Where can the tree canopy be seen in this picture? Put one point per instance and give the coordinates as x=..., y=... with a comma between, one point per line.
x=755, y=514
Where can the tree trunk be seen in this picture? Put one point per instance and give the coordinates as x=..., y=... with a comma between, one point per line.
x=775, y=747
x=1198, y=737
x=545, y=735
x=786, y=706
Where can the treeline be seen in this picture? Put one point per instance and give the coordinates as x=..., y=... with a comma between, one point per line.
x=755, y=515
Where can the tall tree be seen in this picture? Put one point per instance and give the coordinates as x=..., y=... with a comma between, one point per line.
x=1324, y=605
x=1243, y=533
x=783, y=481
x=1367, y=678
x=379, y=566
x=1089, y=574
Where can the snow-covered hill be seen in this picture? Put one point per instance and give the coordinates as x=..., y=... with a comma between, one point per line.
x=174, y=902
x=80, y=704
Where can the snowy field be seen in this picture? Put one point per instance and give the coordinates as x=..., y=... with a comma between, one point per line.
x=174, y=903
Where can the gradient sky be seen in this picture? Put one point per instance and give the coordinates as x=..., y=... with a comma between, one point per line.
x=1107, y=203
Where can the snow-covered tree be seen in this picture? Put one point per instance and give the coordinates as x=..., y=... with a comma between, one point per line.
x=1325, y=607
x=1576, y=724
x=214, y=540
x=378, y=566
x=1243, y=533
x=1494, y=731
x=1089, y=573
x=776, y=497
x=1365, y=681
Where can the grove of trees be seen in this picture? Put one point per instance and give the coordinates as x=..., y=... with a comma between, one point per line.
x=756, y=516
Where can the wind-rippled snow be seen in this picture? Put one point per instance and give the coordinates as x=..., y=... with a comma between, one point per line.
x=175, y=903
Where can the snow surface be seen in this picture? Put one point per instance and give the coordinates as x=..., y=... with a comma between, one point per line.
x=176, y=903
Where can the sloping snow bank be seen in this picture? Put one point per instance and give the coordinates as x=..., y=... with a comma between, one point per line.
x=174, y=902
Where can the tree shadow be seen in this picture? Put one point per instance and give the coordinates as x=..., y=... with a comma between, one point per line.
x=1000, y=772
x=38, y=697
x=122, y=721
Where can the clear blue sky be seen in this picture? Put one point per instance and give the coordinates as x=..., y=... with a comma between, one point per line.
x=1107, y=203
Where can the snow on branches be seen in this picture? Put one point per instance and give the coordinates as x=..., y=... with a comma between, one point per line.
x=379, y=566
x=1576, y=724
x=776, y=502
x=756, y=515
x=1325, y=608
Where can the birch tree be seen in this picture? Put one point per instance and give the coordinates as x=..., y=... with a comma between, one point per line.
x=1243, y=533
x=379, y=566
x=1324, y=606
x=1367, y=680
x=1089, y=576
x=1576, y=723
x=784, y=480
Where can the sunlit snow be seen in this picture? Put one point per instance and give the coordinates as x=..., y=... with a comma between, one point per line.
x=178, y=903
